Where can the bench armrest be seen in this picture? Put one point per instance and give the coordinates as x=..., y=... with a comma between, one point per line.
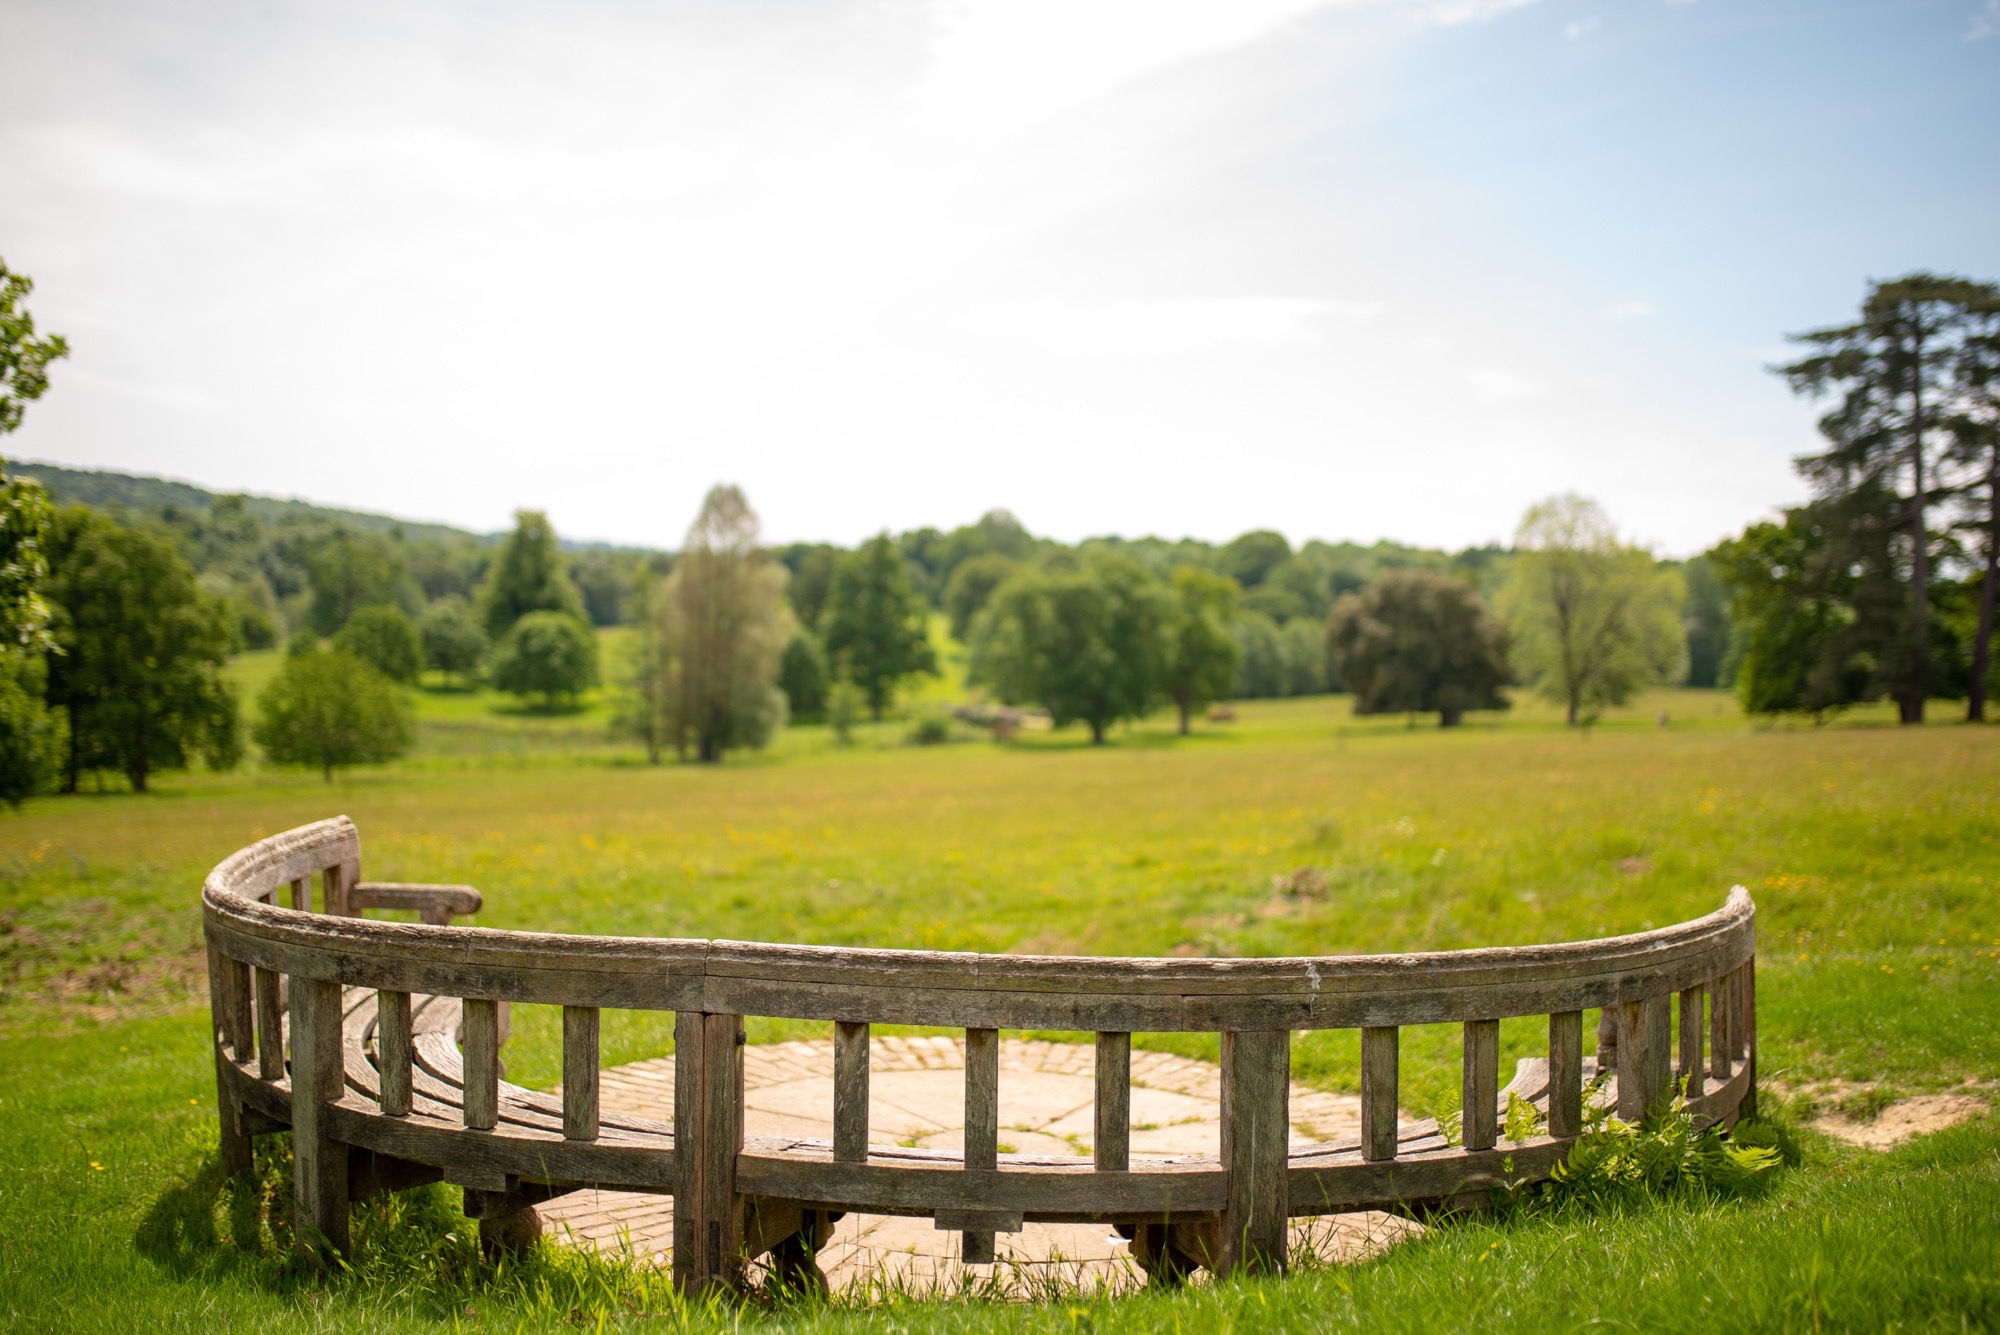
x=438, y=904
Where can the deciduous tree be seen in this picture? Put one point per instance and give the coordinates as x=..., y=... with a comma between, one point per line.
x=454, y=642
x=1084, y=638
x=876, y=623
x=1417, y=642
x=328, y=710
x=1199, y=666
x=552, y=655
x=24, y=358
x=1592, y=620
x=140, y=651
x=386, y=639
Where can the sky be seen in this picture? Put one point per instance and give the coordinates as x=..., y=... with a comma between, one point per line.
x=1354, y=269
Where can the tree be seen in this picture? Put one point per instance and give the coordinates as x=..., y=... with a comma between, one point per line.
x=971, y=586
x=1592, y=620
x=1975, y=428
x=24, y=358
x=139, y=653
x=1417, y=642
x=1201, y=649
x=1086, y=638
x=722, y=626
x=802, y=676
x=1302, y=644
x=349, y=569
x=1892, y=372
x=528, y=577
x=1260, y=668
x=1706, y=622
x=811, y=565
x=1248, y=558
x=328, y=710
x=454, y=643
x=30, y=736
x=876, y=624
x=386, y=639
x=549, y=654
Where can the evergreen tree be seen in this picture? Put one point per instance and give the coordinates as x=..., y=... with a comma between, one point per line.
x=1892, y=372
x=327, y=710
x=1087, y=639
x=528, y=577
x=140, y=651
x=1417, y=642
x=1975, y=450
x=876, y=624
x=1201, y=649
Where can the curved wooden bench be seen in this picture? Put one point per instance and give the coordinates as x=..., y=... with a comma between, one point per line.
x=378, y=1045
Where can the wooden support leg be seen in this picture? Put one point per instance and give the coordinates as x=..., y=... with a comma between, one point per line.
x=1645, y=1064
x=233, y=1148
x=1566, y=1073
x=1256, y=1136
x=319, y=1162
x=708, y=1135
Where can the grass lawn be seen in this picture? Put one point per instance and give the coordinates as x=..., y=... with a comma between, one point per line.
x=1873, y=853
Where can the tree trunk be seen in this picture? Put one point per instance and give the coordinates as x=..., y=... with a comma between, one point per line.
x=1451, y=718
x=1096, y=733
x=1918, y=686
x=73, y=760
x=1185, y=704
x=1574, y=707
x=1982, y=639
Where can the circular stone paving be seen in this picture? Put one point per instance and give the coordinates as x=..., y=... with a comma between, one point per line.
x=917, y=1098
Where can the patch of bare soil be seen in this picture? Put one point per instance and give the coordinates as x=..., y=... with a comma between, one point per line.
x=1899, y=1121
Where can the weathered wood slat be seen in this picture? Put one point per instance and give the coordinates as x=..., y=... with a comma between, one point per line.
x=319, y=1159
x=1256, y=1138
x=1111, y=1138
x=1565, y=1108
x=1379, y=1113
x=1479, y=1084
x=1719, y=1066
x=850, y=1092
x=982, y=1127
x=580, y=1056
x=482, y=1064
x=708, y=1133
x=1645, y=1062
x=1690, y=1067
x=438, y=904
x=240, y=1002
x=270, y=1024
x=392, y=1045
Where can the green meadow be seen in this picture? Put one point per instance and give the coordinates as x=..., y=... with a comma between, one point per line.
x=1873, y=853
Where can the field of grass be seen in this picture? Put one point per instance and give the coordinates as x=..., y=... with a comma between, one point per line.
x=1873, y=853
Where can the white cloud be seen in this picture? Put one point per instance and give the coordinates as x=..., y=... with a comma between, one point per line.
x=1002, y=65
x=1502, y=386
x=1158, y=328
x=1629, y=310
x=1455, y=12
x=1984, y=23
x=1578, y=27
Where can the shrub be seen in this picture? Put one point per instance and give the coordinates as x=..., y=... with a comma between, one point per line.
x=454, y=642
x=930, y=729
x=549, y=654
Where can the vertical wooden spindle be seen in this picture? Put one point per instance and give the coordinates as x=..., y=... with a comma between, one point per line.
x=319, y=1162
x=1748, y=1107
x=1479, y=1085
x=708, y=1136
x=1732, y=983
x=480, y=1041
x=1645, y=1063
x=335, y=882
x=242, y=1002
x=1111, y=1142
x=1719, y=1006
x=302, y=894
x=1380, y=1051
x=393, y=1052
x=270, y=1025
x=982, y=1127
x=1690, y=1041
x=237, y=1154
x=850, y=1092
x=1566, y=1073
x=1256, y=1148
x=580, y=1073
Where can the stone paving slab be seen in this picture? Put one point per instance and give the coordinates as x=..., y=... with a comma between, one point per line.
x=916, y=1098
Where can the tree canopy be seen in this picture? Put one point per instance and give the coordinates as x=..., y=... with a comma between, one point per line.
x=328, y=710
x=528, y=577
x=1592, y=620
x=454, y=642
x=1199, y=666
x=384, y=637
x=551, y=655
x=140, y=649
x=1085, y=638
x=24, y=357
x=1418, y=642
x=876, y=629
